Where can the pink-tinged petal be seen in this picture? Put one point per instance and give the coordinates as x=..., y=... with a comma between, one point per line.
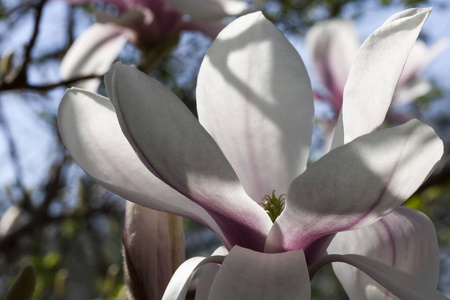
x=89, y=129
x=374, y=74
x=177, y=149
x=405, y=239
x=207, y=277
x=92, y=53
x=209, y=9
x=333, y=45
x=246, y=274
x=179, y=284
x=421, y=56
x=255, y=99
x=355, y=185
x=154, y=249
x=399, y=283
x=143, y=28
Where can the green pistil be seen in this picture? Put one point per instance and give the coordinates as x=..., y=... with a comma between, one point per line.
x=273, y=206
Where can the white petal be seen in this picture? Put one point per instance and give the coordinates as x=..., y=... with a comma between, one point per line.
x=207, y=277
x=355, y=185
x=246, y=274
x=179, y=284
x=209, y=9
x=254, y=97
x=89, y=129
x=374, y=74
x=176, y=148
x=92, y=53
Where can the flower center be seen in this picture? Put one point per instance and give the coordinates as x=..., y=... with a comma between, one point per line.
x=273, y=206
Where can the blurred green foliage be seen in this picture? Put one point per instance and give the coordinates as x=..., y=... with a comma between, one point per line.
x=435, y=203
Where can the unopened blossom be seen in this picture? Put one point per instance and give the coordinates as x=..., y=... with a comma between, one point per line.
x=252, y=139
x=154, y=26
x=153, y=250
x=333, y=44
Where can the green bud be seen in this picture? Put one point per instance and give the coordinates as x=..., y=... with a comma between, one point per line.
x=6, y=62
x=23, y=287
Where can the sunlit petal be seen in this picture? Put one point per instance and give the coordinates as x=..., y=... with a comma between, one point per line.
x=374, y=74
x=356, y=184
x=254, y=97
x=209, y=9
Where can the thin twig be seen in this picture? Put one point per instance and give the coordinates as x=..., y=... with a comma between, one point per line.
x=30, y=45
x=45, y=87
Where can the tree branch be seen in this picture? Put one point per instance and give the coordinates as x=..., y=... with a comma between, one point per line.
x=20, y=73
x=45, y=87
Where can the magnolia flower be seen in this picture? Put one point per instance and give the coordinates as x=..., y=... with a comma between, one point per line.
x=333, y=45
x=251, y=142
x=153, y=26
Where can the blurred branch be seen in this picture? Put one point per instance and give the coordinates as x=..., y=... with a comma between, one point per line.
x=42, y=216
x=29, y=47
x=45, y=87
x=70, y=25
x=39, y=220
x=21, y=8
x=20, y=73
x=18, y=77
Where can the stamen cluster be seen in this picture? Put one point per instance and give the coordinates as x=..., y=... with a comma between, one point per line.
x=273, y=206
